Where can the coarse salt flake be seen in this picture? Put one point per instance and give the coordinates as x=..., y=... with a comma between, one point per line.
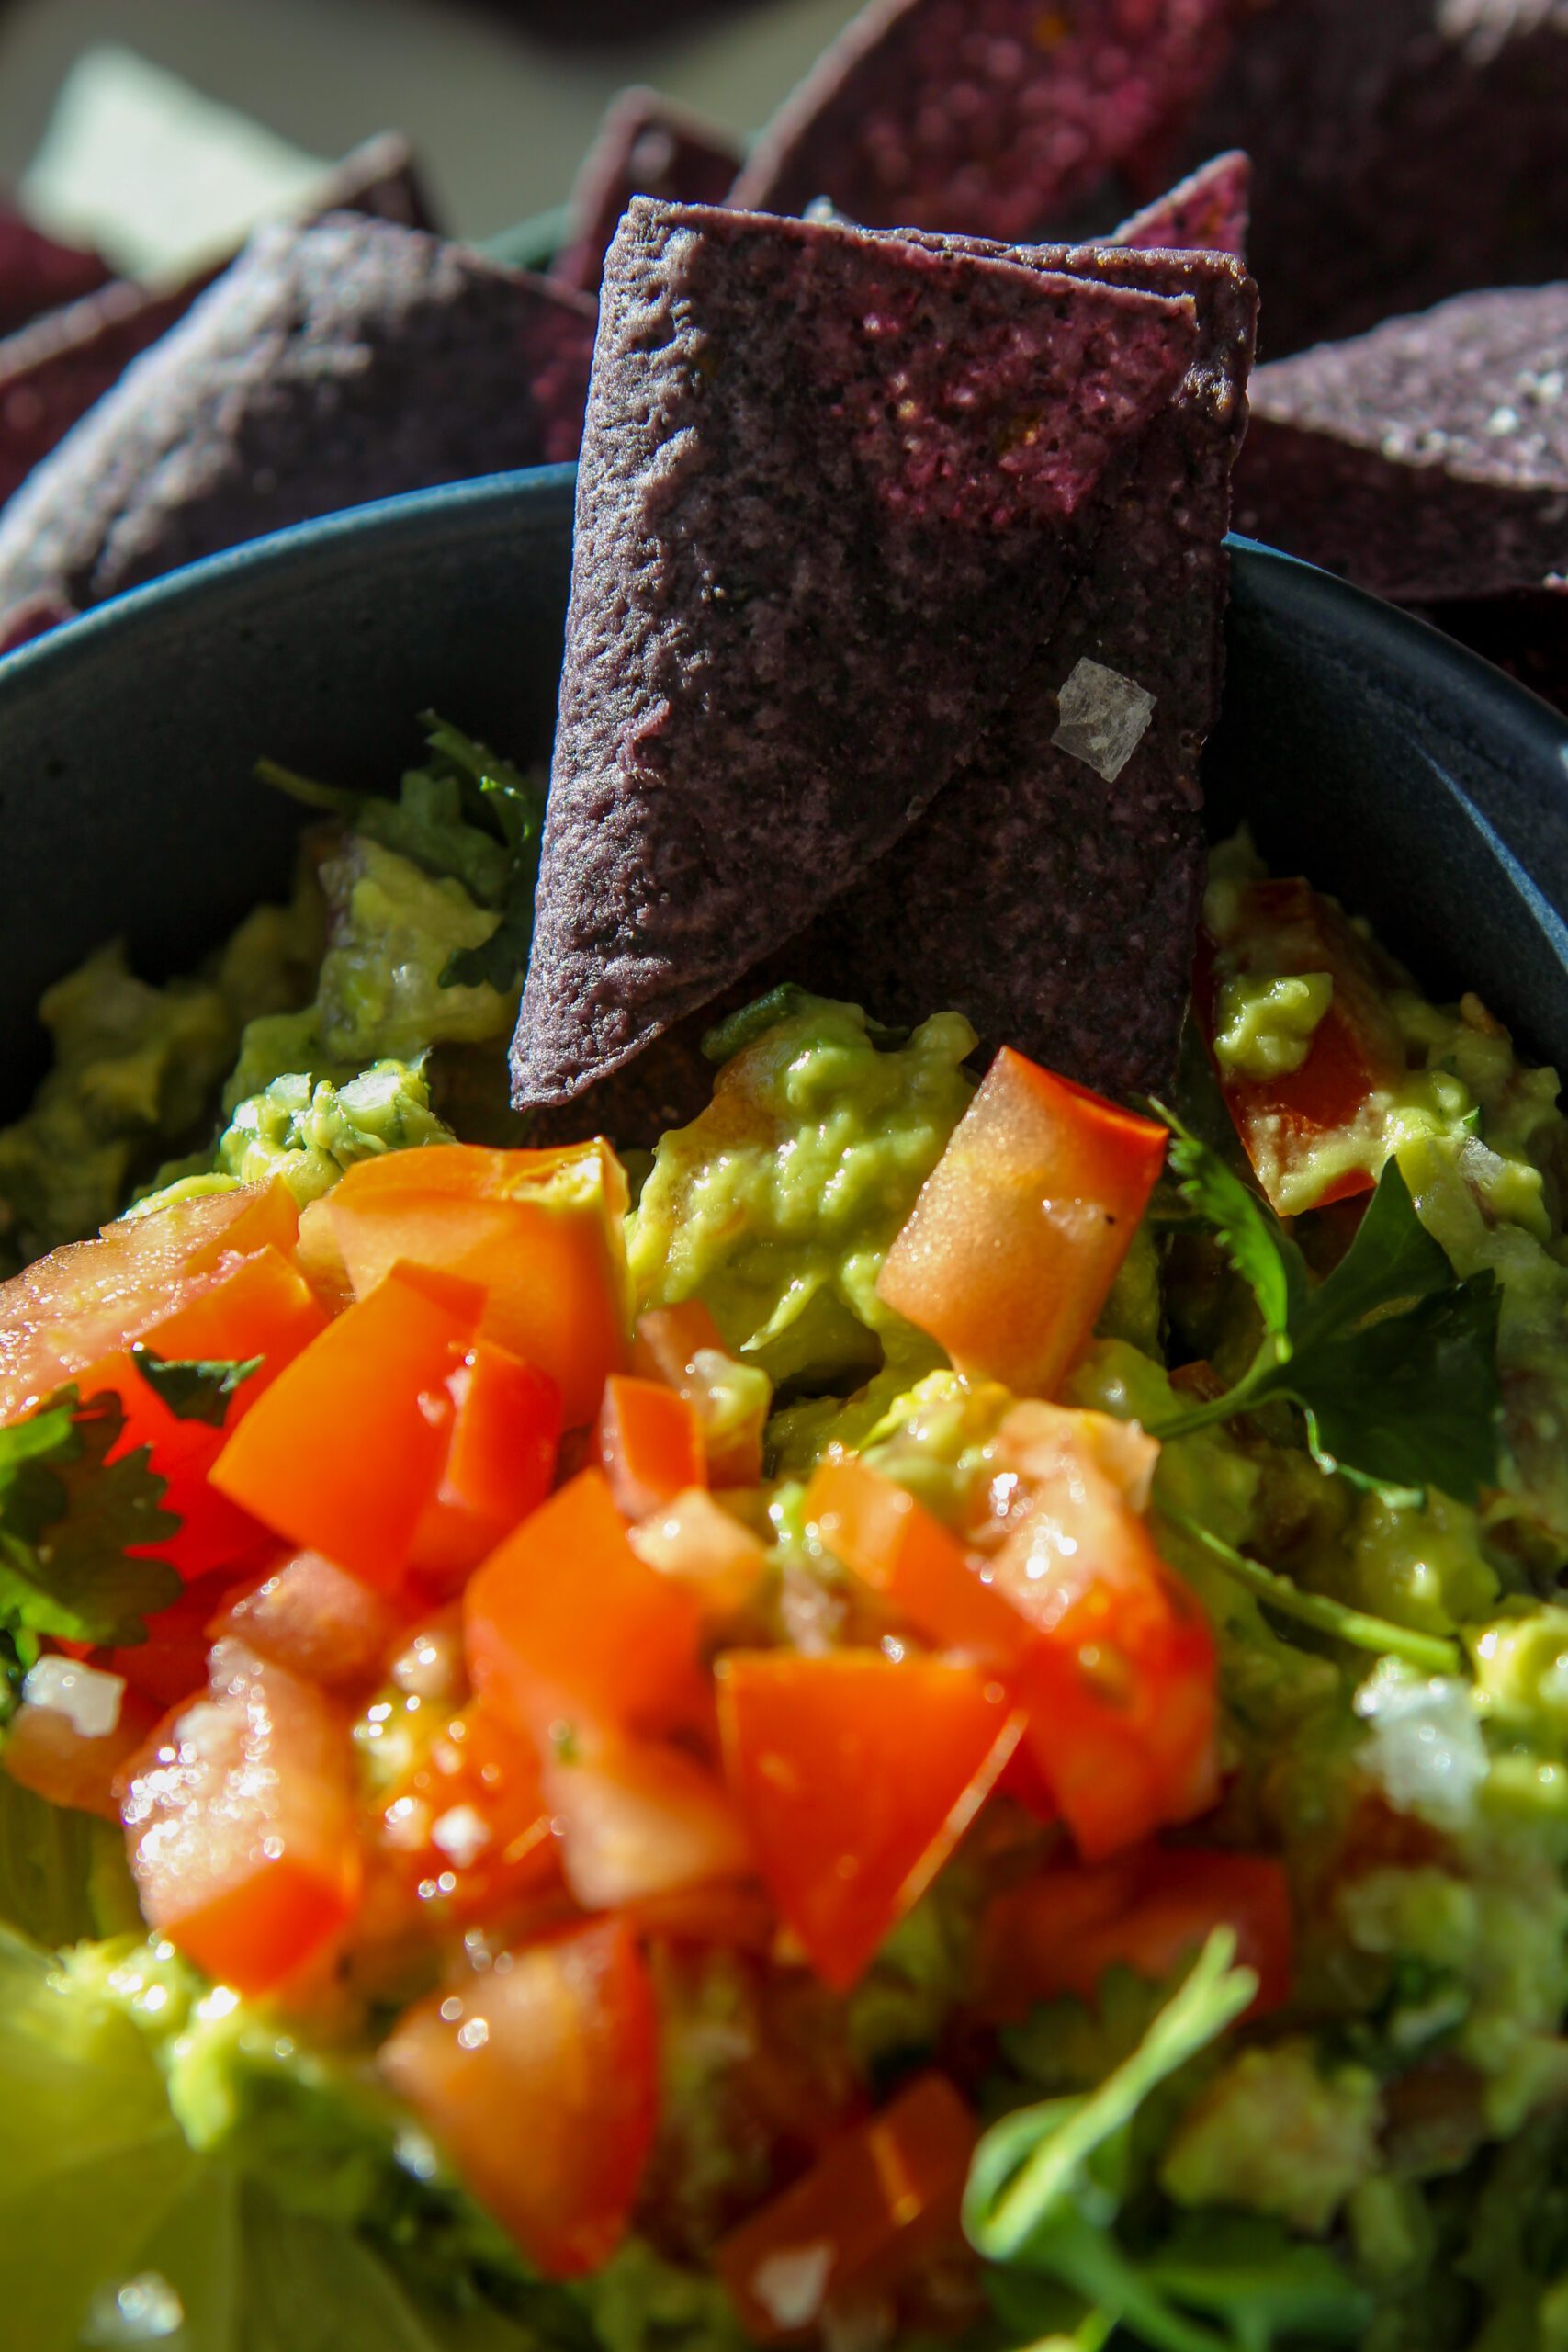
x=1103, y=718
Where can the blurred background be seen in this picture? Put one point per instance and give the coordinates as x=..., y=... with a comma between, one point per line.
x=499, y=100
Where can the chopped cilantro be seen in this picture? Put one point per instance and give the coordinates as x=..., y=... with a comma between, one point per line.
x=70, y=1522
x=1393, y=1361
x=194, y=1391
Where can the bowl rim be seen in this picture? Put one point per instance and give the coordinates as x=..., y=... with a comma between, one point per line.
x=1336, y=611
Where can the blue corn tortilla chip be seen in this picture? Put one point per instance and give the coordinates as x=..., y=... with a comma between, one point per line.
x=1404, y=151
x=1426, y=460
x=1207, y=213
x=53, y=371
x=994, y=117
x=36, y=274
x=646, y=146
x=1051, y=892
x=834, y=491
x=329, y=365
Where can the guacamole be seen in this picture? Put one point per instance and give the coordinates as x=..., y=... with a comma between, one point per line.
x=1320, y=2106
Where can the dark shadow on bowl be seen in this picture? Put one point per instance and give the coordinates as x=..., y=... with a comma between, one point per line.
x=1421, y=785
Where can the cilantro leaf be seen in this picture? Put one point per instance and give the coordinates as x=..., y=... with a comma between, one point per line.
x=1047, y=2185
x=1391, y=1360
x=69, y=1521
x=465, y=813
x=194, y=1390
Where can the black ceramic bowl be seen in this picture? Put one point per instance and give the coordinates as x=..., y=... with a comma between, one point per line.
x=1412, y=779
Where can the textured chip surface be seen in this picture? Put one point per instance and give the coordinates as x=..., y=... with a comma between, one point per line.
x=1207, y=213
x=1426, y=460
x=330, y=364
x=1055, y=910
x=989, y=117
x=834, y=489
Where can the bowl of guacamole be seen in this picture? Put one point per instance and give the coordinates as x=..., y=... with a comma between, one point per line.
x=1056, y=1830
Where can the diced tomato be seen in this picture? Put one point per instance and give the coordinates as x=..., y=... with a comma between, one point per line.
x=90, y=1299
x=540, y=1231
x=855, y=1778
x=468, y=1828
x=650, y=1444
x=261, y=1307
x=894, y=1545
x=44, y=1751
x=345, y=1451
x=500, y=1460
x=314, y=1618
x=704, y=1547
x=238, y=1823
x=565, y=1625
x=1295, y=1124
x=1011, y=1248
x=1120, y=1682
x=542, y=2083
x=723, y=1914
x=683, y=1347
x=1148, y=1911
x=170, y=1666
x=882, y=2201
x=638, y=1819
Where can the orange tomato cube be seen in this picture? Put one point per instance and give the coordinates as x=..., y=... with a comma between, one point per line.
x=855, y=1778
x=314, y=1618
x=467, y=1828
x=882, y=2201
x=44, y=1751
x=694, y=1539
x=240, y=1825
x=564, y=1624
x=650, y=1444
x=540, y=1231
x=542, y=2083
x=344, y=1452
x=1019, y=1231
x=683, y=1347
x=500, y=1460
x=638, y=1819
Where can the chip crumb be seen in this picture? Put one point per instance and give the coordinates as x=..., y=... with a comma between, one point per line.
x=1104, y=718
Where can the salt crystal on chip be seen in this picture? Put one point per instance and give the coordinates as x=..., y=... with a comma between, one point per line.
x=1104, y=718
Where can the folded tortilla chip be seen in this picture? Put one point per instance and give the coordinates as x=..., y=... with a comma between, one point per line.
x=1051, y=892
x=990, y=116
x=834, y=491
x=1404, y=151
x=646, y=146
x=1207, y=213
x=53, y=371
x=1426, y=459
x=36, y=274
x=329, y=365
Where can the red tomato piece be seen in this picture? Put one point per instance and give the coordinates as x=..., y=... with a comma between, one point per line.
x=683, y=1347
x=894, y=1545
x=542, y=2084
x=855, y=1778
x=650, y=1444
x=542, y=1233
x=240, y=1827
x=638, y=1819
x=1148, y=1911
x=93, y=1298
x=261, y=1307
x=468, y=1829
x=565, y=1625
x=1281, y=928
x=316, y=1619
x=43, y=1751
x=344, y=1452
x=500, y=1461
x=724, y=1914
x=880, y=2203
x=1120, y=1682
x=1011, y=1248
x=170, y=1666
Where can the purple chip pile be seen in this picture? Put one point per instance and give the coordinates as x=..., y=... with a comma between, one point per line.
x=845, y=502
x=319, y=372
x=1208, y=213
